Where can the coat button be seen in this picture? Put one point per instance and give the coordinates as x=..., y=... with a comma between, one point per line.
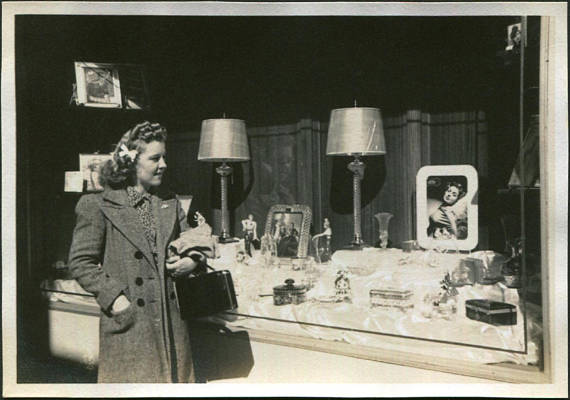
x=138, y=255
x=140, y=302
x=139, y=281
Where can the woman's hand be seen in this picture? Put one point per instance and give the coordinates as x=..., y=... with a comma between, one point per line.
x=121, y=303
x=440, y=217
x=179, y=266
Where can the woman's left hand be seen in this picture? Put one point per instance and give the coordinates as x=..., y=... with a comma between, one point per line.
x=179, y=266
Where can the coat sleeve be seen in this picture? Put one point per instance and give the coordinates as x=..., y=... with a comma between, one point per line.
x=86, y=253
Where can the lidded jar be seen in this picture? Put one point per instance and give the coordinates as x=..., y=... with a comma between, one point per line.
x=289, y=293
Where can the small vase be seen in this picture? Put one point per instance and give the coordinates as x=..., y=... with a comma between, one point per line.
x=383, y=224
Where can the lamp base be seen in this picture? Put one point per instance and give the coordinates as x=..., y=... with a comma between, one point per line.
x=228, y=240
x=356, y=246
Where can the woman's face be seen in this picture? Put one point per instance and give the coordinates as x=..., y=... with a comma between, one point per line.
x=451, y=195
x=151, y=164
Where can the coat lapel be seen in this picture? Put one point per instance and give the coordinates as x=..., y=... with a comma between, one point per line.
x=126, y=219
x=165, y=213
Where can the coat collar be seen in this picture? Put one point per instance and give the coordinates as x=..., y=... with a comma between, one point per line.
x=125, y=218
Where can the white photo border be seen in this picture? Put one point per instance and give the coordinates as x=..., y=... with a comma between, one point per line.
x=422, y=219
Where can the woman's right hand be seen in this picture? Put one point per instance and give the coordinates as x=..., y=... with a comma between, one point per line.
x=121, y=303
x=439, y=217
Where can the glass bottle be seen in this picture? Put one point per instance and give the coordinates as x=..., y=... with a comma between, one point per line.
x=383, y=224
x=512, y=267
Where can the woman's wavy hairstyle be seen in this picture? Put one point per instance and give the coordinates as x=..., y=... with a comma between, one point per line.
x=120, y=171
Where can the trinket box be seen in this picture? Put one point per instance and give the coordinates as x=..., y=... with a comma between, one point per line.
x=289, y=293
x=491, y=312
x=391, y=297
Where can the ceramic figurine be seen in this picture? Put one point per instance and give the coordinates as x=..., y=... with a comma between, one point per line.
x=249, y=227
x=242, y=257
x=342, y=287
x=443, y=303
x=201, y=225
x=323, y=253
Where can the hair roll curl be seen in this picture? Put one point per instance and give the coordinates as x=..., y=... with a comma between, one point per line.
x=120, y=171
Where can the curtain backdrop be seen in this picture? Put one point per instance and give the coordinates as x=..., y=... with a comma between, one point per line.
x=289, y=165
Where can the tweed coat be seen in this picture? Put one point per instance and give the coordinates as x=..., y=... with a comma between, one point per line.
x=110, y=255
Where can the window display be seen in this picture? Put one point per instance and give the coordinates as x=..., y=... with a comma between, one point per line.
x=446, y=272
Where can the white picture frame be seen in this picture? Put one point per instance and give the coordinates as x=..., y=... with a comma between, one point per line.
x=446, y=207
x=98, y=85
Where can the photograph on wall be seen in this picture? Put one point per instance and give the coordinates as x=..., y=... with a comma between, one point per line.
x=89, y=165
x=98, y=85
x=447, y=206
x=513, y=36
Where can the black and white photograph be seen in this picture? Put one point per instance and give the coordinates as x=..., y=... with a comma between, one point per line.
x=147, y=146
x=447, y=207
x=97, y=85
x=286, y=233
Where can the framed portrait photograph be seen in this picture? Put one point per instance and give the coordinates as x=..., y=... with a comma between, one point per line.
x=98, y=85
x=289, y=226
x=89, y=165
x=446, y=207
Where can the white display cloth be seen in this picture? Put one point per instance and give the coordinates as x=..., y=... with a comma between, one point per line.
x=375, y=269
x=359, y=322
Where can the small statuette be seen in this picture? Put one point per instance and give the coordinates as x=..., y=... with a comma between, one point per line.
x=242, y=257
x=443, y=303
x=249, y=227
x=322, y=243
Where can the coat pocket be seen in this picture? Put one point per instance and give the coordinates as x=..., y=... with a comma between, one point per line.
x=122, y=321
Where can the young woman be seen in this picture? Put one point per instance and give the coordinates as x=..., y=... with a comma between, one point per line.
x=118, y=253
x=449, y=220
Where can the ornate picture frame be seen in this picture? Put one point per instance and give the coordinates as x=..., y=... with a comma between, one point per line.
x=446, y=207
x=289, y=225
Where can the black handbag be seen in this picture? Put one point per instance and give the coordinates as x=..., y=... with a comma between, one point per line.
x=205, y=293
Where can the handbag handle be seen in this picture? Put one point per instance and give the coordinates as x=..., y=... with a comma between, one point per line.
x=202, y=264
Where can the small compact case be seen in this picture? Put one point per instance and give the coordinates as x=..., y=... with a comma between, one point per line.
x=491, y=312
x=391, y=297
x=289, y=293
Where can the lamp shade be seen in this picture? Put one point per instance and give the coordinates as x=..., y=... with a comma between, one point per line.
x=223, y=139
x=356, y=131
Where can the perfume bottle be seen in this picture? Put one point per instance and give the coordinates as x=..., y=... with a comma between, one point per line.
x=512, y=268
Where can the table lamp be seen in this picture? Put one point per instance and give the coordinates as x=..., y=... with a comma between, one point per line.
x=223, y=140
x=356, y=131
